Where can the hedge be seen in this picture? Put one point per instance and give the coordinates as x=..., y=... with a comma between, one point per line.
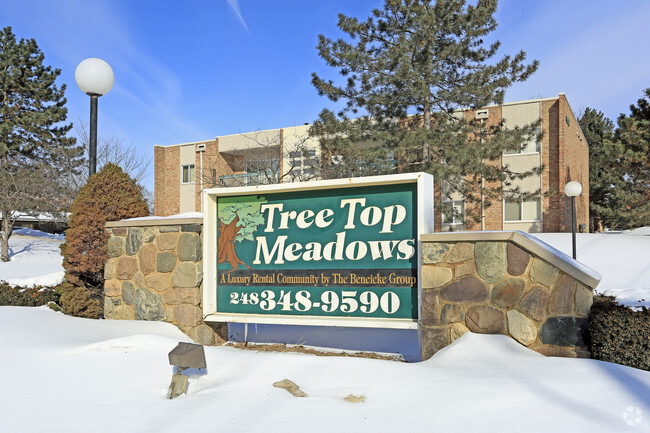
x=26, y=296
x=619, y=334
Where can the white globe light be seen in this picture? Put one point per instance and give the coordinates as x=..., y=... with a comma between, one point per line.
x=573, y=188
x=94, y=76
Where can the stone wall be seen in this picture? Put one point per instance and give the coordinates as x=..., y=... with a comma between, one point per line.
x=503, y=283
x=155, y=272
x=486, y=282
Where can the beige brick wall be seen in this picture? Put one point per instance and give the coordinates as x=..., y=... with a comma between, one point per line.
x=167, y=176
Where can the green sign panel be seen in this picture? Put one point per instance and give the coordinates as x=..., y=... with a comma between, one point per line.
x=330, y=253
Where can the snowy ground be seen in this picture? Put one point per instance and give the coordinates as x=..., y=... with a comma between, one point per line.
x=63, y=374
x=35, y=259
x=622, y=258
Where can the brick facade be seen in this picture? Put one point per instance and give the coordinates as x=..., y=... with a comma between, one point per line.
x=564, y=155
x=493, y=213
x=167, y=175
x=209, y=165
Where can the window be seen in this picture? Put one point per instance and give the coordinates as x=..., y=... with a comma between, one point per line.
x=529, y=209
x=213, y=175
x=187, y=173
x=453, y=212
x=532, y=145
x=302, y=164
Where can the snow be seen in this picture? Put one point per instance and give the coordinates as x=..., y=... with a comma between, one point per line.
x=564, y=256
x=177, y=216
x=65, y=374
x=622, y=258
x=35, y=259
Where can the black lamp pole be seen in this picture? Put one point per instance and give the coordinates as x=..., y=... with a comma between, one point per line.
x=573, y=224
x=92, y=145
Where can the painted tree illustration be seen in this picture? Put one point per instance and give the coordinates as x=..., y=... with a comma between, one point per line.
x=238, y=218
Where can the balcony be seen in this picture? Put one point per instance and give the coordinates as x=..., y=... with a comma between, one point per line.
x=247, y=179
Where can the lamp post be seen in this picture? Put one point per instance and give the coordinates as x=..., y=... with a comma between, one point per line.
x=573, y=189
x=95, y=78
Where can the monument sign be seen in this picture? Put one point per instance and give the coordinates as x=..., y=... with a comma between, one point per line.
x=339, y=252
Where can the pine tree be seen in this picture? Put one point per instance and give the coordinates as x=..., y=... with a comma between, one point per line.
x=35, y=152
x=604, y=180
x=407, y=71
x=619, y=167
x=633, y=134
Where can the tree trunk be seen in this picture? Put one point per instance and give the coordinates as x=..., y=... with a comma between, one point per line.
x=6, y=230
x=226, y=244
x=427, y=125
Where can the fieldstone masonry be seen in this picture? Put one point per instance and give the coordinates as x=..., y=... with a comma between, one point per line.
x=155, y=272
x=485, y=282
x=503, y=283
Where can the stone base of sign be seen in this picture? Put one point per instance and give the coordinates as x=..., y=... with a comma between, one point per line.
x=503, y=283
x=155, y=272
x=484, y=282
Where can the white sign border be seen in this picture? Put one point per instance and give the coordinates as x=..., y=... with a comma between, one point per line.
x=424, y=191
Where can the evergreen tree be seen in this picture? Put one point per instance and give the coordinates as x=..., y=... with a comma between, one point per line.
x=633, y=134
x=619, y=169
x=35, y=152
x=604, y=180
x=408, y=69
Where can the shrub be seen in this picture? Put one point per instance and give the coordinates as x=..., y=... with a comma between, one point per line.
x=26, y=297
x=77, y=301
x=109, y=195
x=619, y=334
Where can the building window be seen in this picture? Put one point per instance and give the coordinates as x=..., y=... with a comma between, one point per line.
x=302, y=163
x=532, y=145
x=453, y=212
x=213, y=176
x=187, y=173
x=529, y=209
x=269, y=167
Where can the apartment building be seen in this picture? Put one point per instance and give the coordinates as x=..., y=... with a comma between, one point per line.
x=562, y=151
x=289, y=154
x=182, y=171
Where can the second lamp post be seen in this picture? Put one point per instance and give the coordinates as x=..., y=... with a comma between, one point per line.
x=573, y=189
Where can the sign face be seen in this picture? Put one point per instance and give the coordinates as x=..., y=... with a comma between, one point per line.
x=338, y=253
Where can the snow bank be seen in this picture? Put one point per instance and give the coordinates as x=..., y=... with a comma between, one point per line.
x=35, y=259
x=77, y=375
x=623, y=259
